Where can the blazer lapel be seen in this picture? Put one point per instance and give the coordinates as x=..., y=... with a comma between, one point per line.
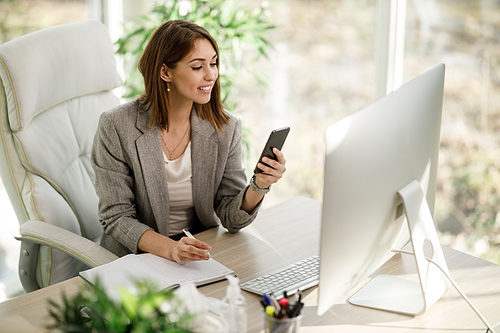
x=204, y=162
x=150, y=155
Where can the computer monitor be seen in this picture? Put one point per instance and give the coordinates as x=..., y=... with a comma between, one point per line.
x=379, y=183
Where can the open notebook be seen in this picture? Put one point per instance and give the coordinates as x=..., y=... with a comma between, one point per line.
x=163, y=273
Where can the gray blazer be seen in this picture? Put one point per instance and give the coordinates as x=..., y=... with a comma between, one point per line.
x=131, y=181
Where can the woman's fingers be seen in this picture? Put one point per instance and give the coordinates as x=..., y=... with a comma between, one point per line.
x=280, y=156
x=274, y=170
x=189, y=249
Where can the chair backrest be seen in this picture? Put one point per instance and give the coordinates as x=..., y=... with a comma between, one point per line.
x=55, y=83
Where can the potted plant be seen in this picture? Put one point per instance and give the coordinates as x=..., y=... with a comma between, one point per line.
x=142, y=310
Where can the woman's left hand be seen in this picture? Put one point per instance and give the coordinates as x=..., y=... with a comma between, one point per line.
x=273, y=172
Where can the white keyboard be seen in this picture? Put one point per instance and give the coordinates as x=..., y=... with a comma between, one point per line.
x=301, y=275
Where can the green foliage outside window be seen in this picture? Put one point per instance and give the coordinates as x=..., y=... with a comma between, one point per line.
x=239, y=32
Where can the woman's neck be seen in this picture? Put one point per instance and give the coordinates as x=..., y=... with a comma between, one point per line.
x=179, y=115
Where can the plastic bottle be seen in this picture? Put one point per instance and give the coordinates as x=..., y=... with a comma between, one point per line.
x=234, y=307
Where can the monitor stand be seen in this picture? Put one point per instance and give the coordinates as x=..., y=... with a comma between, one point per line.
x=395, y=294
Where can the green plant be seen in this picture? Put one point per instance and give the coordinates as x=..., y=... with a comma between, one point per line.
x=91, y=310
x=240, y=34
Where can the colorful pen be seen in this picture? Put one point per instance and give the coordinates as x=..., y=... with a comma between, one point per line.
x=270, y=310
x=266, y=299
x=295, y=310
x=276, y=305
x=298, y=296
x=282, y=308
x=284, y=303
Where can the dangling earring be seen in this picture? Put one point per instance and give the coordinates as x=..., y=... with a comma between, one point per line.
x=168, y=88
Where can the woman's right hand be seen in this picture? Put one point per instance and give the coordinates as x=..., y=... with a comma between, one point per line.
x=182, y=251
x=188, y=249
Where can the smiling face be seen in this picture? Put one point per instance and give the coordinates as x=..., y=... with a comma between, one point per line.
x=194, y=76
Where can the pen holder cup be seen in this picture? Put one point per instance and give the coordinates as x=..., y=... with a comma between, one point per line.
x=285, y=325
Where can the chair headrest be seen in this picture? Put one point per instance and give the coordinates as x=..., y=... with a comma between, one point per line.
x=52, y=65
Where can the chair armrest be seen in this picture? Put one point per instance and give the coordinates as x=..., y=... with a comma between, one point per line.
x=76, y=246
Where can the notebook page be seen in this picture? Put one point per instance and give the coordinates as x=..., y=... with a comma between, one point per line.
x=200, y=272
x=123, y=272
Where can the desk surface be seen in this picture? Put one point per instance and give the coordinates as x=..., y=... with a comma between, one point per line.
x=289, y=232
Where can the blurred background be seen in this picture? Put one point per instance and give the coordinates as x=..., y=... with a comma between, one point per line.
x=319, y=61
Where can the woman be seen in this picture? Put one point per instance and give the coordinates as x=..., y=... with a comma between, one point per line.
x=172, y=158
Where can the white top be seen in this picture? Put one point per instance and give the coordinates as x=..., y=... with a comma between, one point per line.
x=180, y=192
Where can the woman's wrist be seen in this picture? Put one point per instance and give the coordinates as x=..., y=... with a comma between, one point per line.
x=259, y=185
x=157, y=244
x=262, y=183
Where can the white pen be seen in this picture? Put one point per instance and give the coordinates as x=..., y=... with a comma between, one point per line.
x=192, y=237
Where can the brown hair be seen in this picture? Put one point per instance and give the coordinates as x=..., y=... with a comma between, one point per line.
x=170, y=43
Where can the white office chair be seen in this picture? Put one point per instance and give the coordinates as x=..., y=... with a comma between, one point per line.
x=55, y=83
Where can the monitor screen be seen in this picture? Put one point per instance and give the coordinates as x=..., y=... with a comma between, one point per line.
x=369, y=157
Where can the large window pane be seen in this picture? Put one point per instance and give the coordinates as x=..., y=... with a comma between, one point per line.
x=321, y=69
x=465, y=35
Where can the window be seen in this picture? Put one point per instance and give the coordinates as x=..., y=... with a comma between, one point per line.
x=323, y=69
x=465, y=35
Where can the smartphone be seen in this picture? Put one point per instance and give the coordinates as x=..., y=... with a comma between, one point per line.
x=276, y=140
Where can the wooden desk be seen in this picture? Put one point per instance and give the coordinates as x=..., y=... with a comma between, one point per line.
x=289, y=232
